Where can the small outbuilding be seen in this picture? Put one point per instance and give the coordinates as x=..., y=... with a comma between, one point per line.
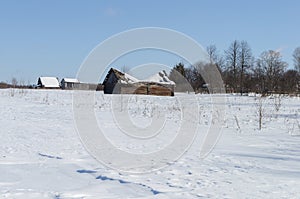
x=69, y=83
x=48, y=82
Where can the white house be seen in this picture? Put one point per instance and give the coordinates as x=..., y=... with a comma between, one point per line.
x=69, y=83
x=48, y=82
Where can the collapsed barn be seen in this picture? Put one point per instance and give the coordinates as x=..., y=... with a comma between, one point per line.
x=117, y=82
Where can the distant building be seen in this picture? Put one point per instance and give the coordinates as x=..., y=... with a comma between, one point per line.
x=69, y=83
x=75, y=84
x=48, y=82
x=117, y=82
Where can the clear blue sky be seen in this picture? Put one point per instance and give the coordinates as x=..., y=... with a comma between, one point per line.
x=52, y=38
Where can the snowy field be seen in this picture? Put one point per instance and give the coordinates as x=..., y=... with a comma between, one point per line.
x=41, y=155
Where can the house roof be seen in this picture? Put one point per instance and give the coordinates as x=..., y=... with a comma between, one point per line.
x=71, y=80
x=49, y=82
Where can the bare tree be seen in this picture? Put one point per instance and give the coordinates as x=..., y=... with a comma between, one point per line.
x=277, y=102
x=215, y=57
x=232, y=64
x=296, y=56
x=245, y=62
x=289, y=81
x=260, y=105
x=14, y=82
x=22, y=82
x=212, y=52
x=272, y=66
x=258, y=78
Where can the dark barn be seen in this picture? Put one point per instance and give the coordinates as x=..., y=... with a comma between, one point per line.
x=117, y=82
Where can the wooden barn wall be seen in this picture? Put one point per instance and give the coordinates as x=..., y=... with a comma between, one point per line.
x=81, y=86
x=133, y=89
x=145, y=89
x=160, y=90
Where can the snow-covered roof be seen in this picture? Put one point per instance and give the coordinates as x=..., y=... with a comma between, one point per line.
x=71, y=80
x=129, y=79
x=124, y=78
x=49, y=82
x=161, y=78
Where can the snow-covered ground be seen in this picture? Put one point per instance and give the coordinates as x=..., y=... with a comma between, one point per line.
x=41, y=155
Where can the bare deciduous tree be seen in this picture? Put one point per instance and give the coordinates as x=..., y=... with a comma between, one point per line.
x=14, y=82
x=245, y=62
x=212, y=52
x=296, y=56
x=232, y=63
x=277, y=102
x=215, y=57
x=289, y=81
x=260, y=103
x=272, y=66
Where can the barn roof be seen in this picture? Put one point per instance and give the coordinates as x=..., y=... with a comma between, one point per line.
x=123, y=77
x=71, y=80
x=161, y=78
x=49, y=82
x=129, y=79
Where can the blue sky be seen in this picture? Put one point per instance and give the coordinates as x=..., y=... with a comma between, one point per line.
x=52, y=38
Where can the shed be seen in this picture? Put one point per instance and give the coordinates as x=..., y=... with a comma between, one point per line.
x=48, y=82
x=69, y=83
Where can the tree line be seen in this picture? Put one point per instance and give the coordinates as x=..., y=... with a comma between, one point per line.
x=242, y=72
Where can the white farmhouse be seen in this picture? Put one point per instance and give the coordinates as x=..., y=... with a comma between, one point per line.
x=48, y=82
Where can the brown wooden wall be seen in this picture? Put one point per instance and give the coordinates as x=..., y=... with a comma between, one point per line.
x=145, y=89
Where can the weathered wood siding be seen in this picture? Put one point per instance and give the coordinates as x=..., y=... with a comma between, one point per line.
x=145, y=89
x=160, y=90
x=115, y=84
